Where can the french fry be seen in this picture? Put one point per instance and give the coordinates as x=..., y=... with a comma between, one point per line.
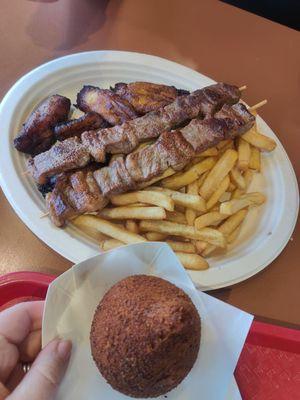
x=195, y=202
x=223, y=186
x=234, y=234
x=166, y=174
x=133, y=213
x=190, y=214
x=213, y=151
x=110, y=229
x=190, y=175
x=192, y=261
x=184, y=247
x=223, y=143
x=227, y=228
x=200, y=246
x=210, y=218
x=155, y=236
x=144, y=196
x=176, y=216
x=209, y=235
x=254, y=162
x=248, y=176
x=110, y=244
x=202, y=179
x=250, y=199
x=244, y=153
x=132, y=226
x=231, y=187
x=218, y=173
x=264, y=143
x=90, y=231
x=237, y=178
x=225, y=197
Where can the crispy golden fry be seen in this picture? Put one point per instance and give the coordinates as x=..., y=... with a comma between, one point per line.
x=113, y=230
x=202, y=179
x=264, y=143
x=231, y=187
x=200, y=246
x=244, y=153
x=213, y=151
x=248, y=175
x=234, y=234
x=155, y=236
x=110, y=244
x=167, y=173
x=246, y=200
x=133, y=213
x=223, y=186
x=254, y=162
x=144, y=196
x=226, y=196
x=218, y=173
x=223, y=143
x=90, y=231
x=210, y=218
x=190, y=175
x=194, y=202
x=176, y=216
x=138, y=205
x=172, y=228
x=192, y=261
x=237, y=178
x=132, y=226
x=184, y=247
x=190, y=214
x=227, y=228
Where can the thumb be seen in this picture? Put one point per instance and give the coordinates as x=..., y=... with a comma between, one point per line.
x=42, y=381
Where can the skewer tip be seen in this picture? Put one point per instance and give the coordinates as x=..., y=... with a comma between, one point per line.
x=244, y=87
x=44, y=215
x=258, y=105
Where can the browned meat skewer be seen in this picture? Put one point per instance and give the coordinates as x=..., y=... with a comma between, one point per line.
x=172, y=149
x=146, y=96
x=73, y=153
x=108, y=104
x=36, y=135
x=75, y=127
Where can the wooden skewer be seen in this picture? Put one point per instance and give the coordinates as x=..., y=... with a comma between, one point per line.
x=44, y=215
x=25, y=172
x=244, y=87
x=258, y=105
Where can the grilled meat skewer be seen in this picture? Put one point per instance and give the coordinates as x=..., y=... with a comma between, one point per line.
x=146, y=96
x=94, y=145
x=81, y=192
x=36, y=134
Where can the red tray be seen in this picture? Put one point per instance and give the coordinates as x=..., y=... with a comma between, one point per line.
x=269, y=365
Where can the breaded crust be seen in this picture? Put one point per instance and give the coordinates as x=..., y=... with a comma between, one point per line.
x=145, y=336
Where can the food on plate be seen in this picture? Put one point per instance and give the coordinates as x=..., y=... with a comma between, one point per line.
x=146, y=96
x=114, y=109
x=126, y=137
x=177, y=170
x=145, y=336
x=75, y=127
x=36, y=134
x=175, y=149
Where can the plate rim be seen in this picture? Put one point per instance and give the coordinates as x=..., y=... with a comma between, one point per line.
x=44, y=69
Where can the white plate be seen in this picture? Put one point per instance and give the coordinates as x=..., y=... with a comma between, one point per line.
x=269, y=227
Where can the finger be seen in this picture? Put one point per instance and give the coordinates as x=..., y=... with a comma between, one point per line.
x=16, y=322
x=9, y=356
x=31, y=346
x=42, y=381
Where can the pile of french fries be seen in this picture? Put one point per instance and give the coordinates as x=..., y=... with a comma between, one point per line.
x=197, y=211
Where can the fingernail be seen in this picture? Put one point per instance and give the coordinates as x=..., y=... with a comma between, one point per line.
x=64, y=349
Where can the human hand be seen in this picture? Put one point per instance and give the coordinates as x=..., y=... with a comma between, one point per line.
x=20, y=341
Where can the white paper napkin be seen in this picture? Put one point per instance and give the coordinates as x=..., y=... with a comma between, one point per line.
x=72, y=299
